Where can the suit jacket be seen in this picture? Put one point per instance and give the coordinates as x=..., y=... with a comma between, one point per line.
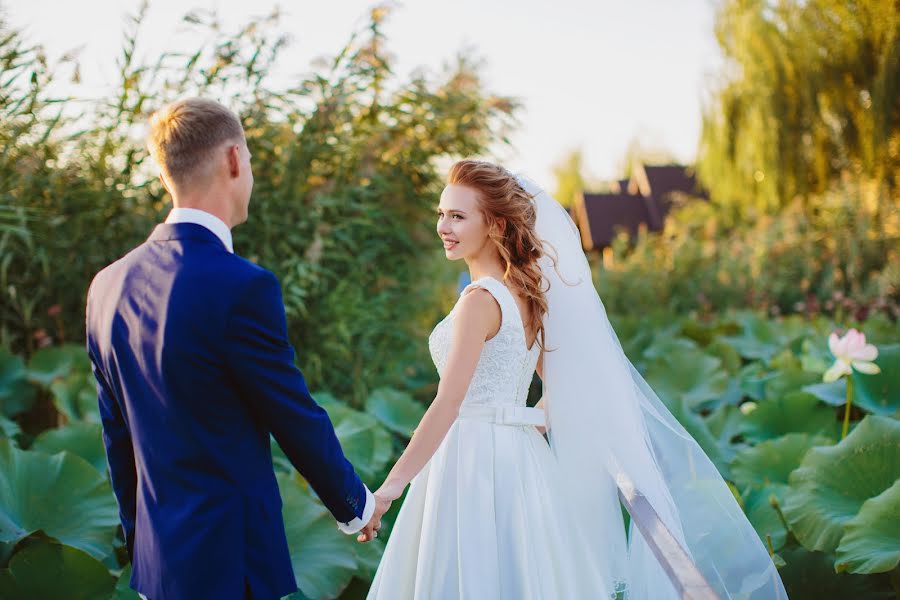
x=189, y=347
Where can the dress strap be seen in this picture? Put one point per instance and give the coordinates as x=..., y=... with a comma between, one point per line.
x=500, y=293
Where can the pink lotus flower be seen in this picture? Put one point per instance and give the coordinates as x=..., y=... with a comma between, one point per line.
x=851, y=352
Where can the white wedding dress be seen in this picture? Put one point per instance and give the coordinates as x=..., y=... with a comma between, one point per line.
x=484, y=518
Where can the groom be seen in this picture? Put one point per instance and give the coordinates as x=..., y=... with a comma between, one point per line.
x=189, y=346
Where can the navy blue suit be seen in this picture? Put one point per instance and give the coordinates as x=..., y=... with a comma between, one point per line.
x=190, y=351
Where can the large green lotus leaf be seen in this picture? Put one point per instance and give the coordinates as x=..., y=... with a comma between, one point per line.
x=9, y=429
x=880, y=394
x=771, y=461
x=831, y=484
x=763, y=516
x=833, y=393
x=785, y=361
x=397, y=410
x=665, y=346
x=811, y=576
x=731, y=359
x=16, y=394
x=691, y=376
x=763, y=338
x=762, y=471
x=45, y=570
x=123, y=589
x=697, y=427
x=366, y=443
x=324, y=561
x=54, y=362
x=61, y=495
x=82, y=439
x=815, y=356
x=75, y=396
x=725, y=424
x=788, y=381
x=368, y=556
x=753, y=378
x=797, y=412
x=871, y=542
x=880, y=329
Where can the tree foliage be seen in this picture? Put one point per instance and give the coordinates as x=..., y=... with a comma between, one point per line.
x=810, y=95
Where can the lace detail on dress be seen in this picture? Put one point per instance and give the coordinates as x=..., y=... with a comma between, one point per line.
x=506, y=366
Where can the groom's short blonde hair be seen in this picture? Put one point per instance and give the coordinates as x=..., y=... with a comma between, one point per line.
x=184, y=135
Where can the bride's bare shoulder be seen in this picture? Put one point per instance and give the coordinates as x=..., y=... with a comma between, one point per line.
x=479, y=310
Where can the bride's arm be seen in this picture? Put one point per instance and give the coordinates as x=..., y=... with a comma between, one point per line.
x=476, y=320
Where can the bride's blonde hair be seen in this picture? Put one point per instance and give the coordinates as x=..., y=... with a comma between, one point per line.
x=502, y=199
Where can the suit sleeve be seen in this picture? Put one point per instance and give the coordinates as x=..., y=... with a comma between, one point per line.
x=261, y=359
x=119, y=455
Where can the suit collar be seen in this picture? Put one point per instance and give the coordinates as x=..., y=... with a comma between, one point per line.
x=201, y=217
x=165, y=232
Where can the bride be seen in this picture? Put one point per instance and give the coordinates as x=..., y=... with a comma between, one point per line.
x=493, y=510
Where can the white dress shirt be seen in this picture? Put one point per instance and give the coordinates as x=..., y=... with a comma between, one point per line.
x=218, y=227
x=208, y=220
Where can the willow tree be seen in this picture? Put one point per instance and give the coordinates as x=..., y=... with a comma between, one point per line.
x=808, y=96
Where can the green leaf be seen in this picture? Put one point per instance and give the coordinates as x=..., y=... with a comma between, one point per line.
x=9, y=429
x=834, y=393
x=82, y=439
x=44, y=569
x=690, y=375
x=811, y=576
x=831, y=484
x=696, y=426
x=323, y=560
x=815, y=357
x=763, y=516
x=762, y=472
x=788, y=381
x=797, y=412
x=752, y=379
x=54, y=362
x=396, y=410
x=61, y=495
x=880, y=393
x=772, y=461
x=75, y=396
x=725, y=424
x=366, y=443
x=762, y=338
x=16, y=394
x=871, y=542
x=123, y=589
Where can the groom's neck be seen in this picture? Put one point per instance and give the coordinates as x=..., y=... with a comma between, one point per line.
x=214, y=206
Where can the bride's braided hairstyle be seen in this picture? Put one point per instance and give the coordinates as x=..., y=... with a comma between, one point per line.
x=502, y=199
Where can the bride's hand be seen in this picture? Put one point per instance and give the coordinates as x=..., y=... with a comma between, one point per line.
x=390, y=491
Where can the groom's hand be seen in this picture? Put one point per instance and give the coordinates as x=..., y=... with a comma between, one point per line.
x=370, y=531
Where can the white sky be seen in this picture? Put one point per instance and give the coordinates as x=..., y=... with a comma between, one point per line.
x=594, y=74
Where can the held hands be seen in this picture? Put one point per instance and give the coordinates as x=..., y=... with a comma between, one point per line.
x=384, y=497
x=370, y=531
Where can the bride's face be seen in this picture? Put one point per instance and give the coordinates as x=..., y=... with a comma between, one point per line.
x=460, y=223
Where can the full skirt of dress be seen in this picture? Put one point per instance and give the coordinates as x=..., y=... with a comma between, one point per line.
x=483, y=520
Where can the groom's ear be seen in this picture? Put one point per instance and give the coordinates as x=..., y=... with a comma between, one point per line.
x=162, y=179
x=234, y=160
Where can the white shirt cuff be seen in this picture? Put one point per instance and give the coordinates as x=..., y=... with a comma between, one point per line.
x=360, y=522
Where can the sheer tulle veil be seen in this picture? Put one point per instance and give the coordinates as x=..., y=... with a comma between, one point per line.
x=605, y=425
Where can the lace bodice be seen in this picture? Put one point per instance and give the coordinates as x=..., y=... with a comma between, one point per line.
x=506, y=366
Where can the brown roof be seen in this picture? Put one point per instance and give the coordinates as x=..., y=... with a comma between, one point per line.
x=644, y=199
x=604, y=213
x=661, y=180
